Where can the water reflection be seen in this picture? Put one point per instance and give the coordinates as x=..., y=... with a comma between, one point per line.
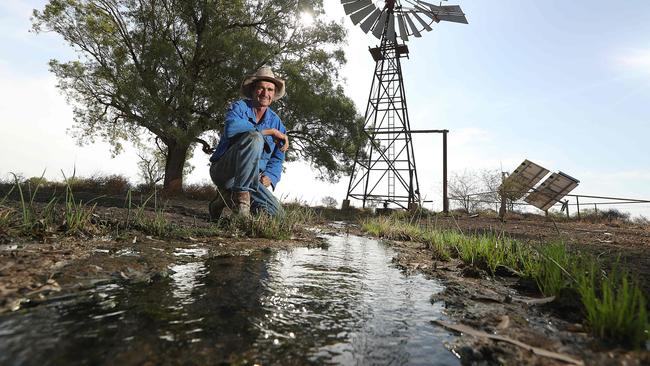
x=347, y=305
x=340, y=305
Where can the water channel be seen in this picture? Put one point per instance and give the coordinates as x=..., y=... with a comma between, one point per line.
x=341, y=304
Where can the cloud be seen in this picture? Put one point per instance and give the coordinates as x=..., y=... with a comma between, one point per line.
x=636, y=60
x=34, y=121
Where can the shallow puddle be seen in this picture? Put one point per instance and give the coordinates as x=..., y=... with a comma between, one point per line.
x=343, y=304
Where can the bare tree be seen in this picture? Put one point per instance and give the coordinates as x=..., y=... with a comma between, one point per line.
x=475, y=190
x=151, y=166
x=329, y=202
x=461, y=189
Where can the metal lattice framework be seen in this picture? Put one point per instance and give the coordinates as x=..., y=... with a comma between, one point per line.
x=385, y=171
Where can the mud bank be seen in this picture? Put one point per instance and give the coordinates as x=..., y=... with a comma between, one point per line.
x=505, y=306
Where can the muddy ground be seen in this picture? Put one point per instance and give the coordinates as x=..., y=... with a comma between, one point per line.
x=39, y=269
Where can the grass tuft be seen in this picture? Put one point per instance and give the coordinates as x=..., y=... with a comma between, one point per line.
x=550, y=271
x=615, y=305
x=271, y=227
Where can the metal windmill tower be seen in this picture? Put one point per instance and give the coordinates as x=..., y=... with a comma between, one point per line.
x=385, y=171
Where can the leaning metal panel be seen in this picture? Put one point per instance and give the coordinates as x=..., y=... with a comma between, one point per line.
x=552, y=190
x=522, y=180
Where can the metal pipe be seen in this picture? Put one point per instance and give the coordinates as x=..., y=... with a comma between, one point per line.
x=380, y=132
x=609, y=198
x=445, y=198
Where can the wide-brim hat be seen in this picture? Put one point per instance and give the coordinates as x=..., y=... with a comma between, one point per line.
x=266, y=74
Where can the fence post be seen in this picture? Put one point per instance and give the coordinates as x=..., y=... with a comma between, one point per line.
x=596, y=208
x=578, y=206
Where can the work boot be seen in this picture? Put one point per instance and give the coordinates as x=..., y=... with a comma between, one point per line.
x=217, y=204
x=241, y=203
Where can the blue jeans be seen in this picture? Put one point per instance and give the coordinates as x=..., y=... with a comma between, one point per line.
x=238, y=170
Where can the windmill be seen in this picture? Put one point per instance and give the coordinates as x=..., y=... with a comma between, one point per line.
x=385, y=172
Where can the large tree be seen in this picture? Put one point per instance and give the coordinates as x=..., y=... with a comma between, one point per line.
x=171, y=67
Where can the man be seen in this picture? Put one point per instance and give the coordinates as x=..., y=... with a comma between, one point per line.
x=248, y=159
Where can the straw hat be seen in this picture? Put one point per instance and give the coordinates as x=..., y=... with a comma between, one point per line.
x=263, y=73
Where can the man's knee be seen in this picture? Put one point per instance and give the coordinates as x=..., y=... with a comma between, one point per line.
x=254, y=137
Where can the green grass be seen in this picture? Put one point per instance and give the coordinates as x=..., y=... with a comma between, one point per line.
x=34, y=222
x=615, y=306
x=7, y=214
x=154, y=223
x=550, y=271
x=77, y=216
x=281, y=227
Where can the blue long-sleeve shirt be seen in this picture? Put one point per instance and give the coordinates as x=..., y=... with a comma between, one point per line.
x=241, y=118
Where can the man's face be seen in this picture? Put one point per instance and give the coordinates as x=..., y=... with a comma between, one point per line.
x=263, y=93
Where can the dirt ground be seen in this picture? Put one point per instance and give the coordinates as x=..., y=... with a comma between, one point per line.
x=33, y=271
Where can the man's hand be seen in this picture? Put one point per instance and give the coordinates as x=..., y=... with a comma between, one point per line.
x=278, y=136
x=265, y=180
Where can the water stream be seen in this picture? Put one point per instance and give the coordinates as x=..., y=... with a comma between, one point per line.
x=343, y=304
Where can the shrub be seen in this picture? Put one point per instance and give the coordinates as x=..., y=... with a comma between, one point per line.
x=205, y=191
x=115, y=184
x=611, y=215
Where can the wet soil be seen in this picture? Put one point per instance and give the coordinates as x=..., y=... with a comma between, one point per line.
x=36, y=270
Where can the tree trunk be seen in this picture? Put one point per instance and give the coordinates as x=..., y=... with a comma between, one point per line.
x=176, y=155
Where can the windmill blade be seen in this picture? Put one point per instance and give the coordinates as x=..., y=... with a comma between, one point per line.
x=424, y=24
x=367, y=24
x=381, y=24
x=402, y=28
x=415, y=30
x=362, y=14
x=356, y=6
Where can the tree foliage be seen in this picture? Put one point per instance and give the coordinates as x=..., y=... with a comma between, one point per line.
x=171, y=67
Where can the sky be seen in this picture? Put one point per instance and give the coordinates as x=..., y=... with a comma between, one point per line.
x=565, y=84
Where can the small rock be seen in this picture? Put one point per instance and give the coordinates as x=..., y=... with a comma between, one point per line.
x=504, y=323
x=473, y=272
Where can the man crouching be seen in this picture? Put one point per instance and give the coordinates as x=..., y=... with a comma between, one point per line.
x=248, y=159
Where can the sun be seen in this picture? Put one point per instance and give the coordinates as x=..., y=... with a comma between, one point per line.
x=306, y=19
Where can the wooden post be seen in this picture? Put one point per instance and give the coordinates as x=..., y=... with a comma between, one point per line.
x=578, y=207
